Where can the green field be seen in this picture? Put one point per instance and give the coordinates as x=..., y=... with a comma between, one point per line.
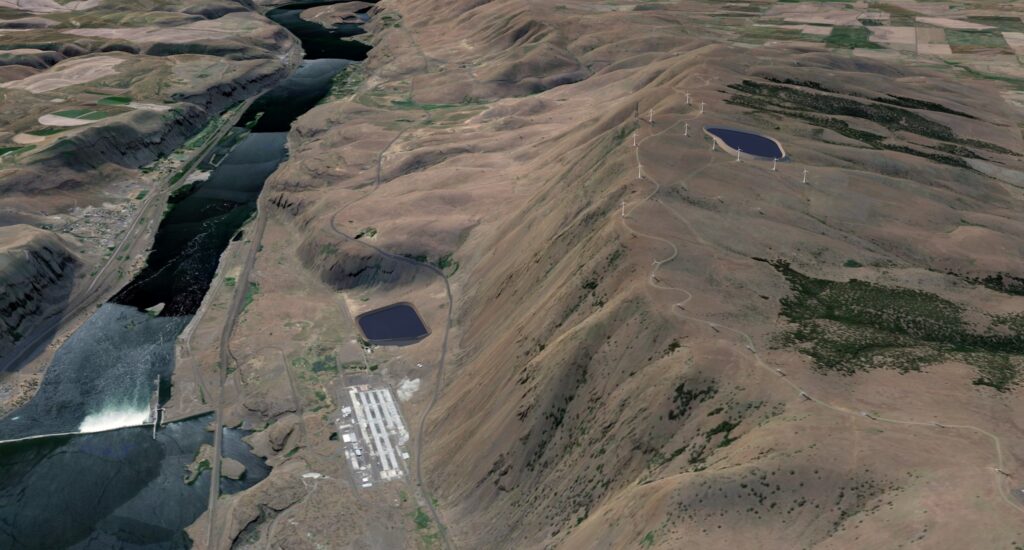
x=851, y=37
x=250, y=295
x=345, y=83
x=975, y=41
x=83, y=114
x=203, y=136
x=898, y=15
x=114, y=100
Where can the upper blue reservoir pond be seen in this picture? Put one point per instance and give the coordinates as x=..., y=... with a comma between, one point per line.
x=748, y=142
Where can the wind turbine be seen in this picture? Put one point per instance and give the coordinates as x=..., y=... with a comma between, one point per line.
x=805, y=175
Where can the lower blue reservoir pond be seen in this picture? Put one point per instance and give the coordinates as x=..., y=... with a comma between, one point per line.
x=397, y=323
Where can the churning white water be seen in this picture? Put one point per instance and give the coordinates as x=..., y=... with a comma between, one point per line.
x=102, y=377
x=113, y=418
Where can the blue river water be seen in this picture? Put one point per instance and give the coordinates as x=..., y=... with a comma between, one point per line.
x=124, y=489
x=118, y=489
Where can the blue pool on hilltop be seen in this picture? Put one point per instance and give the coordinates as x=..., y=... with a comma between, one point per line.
x=749, y=143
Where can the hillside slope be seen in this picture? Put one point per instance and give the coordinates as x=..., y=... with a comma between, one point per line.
x=36, y=273
x=105, y=106
x=660, y=345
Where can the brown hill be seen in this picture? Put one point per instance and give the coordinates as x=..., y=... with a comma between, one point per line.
x=712, y=354
x=37, y=273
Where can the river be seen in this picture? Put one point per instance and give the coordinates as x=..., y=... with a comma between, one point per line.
x=122, y=488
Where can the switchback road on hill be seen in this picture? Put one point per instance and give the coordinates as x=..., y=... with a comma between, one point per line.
x=678, y=309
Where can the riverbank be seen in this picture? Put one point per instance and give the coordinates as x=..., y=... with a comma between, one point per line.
x=136, y=331
x=121, y=264
x=102, y=276
x=141, y=114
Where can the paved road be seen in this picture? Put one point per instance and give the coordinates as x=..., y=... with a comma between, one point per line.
x=62, y=434
x=442, y=529
x=678, y=309
x=238, y=299
x=225, y=355
x=439, y=378
x=226, y=359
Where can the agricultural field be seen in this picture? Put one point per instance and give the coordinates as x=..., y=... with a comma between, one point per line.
x=83, y=114
x=971, y=34
x=83, y=65
x=114, y=100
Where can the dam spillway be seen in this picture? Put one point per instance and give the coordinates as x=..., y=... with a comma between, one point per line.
x=122, y=488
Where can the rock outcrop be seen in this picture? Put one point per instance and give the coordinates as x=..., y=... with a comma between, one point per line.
x=36, y=276
x=229, y=467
